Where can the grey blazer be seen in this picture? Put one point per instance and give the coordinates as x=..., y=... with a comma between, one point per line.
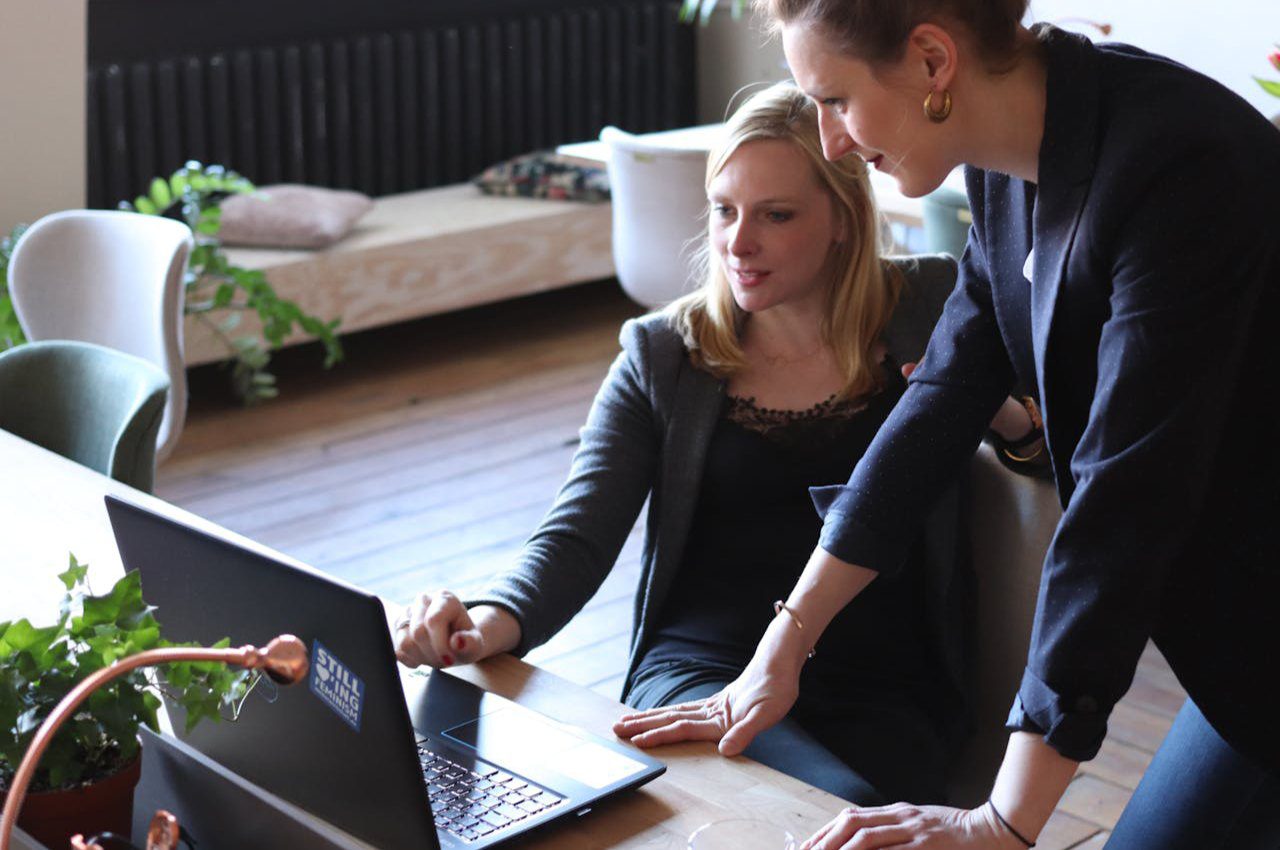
x=647, y=436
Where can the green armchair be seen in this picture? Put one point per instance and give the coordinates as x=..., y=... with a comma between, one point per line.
x=97, y=406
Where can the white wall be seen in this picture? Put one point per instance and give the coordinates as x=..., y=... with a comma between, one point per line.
x=42, y=108
x=1227, y=39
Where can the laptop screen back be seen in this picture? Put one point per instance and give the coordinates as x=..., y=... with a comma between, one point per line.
x=339, y=744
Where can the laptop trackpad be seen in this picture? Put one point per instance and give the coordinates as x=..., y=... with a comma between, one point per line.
x=516, y=731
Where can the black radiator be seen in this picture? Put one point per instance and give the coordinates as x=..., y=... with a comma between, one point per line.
x=382, y=96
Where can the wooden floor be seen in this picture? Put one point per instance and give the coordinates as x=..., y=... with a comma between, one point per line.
x=426, y=459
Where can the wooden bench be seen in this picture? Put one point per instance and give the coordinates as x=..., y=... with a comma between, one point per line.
x=428, y=252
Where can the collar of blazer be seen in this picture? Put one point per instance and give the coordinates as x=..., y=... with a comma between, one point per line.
x=1068, y=155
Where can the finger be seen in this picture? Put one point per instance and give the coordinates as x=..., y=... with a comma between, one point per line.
x=875, y=837
x=907, y=369
x=678, y=706
x=819, y=835
x=740, y=735
x=407, y=651
x=657, y=717
x=680, y=730
x=466, y=641
x=417, y=634
x=847, y=830
x=442, y=613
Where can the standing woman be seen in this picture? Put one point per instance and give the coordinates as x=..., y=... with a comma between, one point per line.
x=1122, y=263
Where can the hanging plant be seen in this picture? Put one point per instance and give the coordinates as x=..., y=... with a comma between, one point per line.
x=10, y=331
x=214, y=285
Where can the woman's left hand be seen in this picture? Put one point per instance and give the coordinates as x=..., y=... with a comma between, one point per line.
x=905, y=825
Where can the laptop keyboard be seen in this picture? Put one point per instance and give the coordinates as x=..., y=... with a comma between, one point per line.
x=471, y=802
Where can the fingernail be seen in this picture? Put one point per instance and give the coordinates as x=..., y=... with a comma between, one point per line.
x=459, y=642
x=447, y=659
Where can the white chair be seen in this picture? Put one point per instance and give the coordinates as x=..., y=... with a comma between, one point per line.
x=111, y=278
x=659, y=203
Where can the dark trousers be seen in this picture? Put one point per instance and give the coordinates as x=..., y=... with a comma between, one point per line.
x=870, y=749
x=1200, y=794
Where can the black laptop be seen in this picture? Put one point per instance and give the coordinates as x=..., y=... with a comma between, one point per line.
x=401, y=761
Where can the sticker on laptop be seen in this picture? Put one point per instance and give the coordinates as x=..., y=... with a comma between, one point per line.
x=335, y=684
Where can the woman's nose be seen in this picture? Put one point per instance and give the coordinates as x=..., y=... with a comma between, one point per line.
x=741, y=241
x=836, y=141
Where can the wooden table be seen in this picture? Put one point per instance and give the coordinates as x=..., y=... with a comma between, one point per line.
x=894, y=205
x=50, y=505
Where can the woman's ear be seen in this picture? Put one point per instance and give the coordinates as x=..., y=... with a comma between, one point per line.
x=933, y=55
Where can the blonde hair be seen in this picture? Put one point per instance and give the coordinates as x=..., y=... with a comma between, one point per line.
x=864, y=288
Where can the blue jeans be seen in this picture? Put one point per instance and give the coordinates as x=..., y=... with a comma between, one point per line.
x=870, y=749
x=1200, y=794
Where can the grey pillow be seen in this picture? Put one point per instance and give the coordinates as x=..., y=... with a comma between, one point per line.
x=291, y=216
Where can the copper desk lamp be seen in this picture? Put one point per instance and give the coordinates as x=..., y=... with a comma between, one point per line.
x=284, y=659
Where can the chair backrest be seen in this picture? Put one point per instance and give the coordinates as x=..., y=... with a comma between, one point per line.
x=946, y=221
x=659, y=203
x=111, y=278
x=95, y=405
x=1013, y=520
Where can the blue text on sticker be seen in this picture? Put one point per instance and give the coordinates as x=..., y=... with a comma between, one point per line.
x=335, y=684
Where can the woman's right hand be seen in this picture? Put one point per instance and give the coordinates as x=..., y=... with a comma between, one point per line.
x=747, y=706
x=439, y=631
x=756, y=700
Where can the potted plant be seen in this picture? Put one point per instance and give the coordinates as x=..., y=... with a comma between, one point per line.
x=214, y=285
x=86, y=778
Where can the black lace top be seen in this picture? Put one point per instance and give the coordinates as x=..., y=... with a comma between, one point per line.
x=755, y=527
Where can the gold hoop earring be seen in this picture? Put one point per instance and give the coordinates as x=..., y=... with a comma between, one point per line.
x=939, y=115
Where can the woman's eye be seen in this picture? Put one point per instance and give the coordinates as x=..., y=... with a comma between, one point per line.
x=721, y=210
x=835, y=103
x=780, y=215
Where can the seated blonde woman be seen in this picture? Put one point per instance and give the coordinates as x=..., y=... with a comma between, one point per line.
x=725, y=409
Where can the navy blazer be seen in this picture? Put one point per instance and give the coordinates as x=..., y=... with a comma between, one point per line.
x=1146, y=325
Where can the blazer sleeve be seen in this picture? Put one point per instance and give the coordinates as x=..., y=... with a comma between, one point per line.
x=933, y=431
x=1188, y=274
x=573, y=550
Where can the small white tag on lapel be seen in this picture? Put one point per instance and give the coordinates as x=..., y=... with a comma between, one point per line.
x=1029, y=266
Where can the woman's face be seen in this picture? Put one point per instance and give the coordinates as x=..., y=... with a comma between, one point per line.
x=878, y=117
x=772, y=226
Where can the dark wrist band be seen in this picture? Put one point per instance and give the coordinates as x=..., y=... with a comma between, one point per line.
x=1009, y=826
x=1034, y=435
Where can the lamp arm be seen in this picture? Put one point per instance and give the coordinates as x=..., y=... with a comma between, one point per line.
x=284, y=659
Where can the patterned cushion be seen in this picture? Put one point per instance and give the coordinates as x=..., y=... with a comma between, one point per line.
x=544, y=174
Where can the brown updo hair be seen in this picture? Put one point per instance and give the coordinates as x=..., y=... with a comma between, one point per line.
x=876, y=31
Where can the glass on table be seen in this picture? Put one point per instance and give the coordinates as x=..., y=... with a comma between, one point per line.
x=741, y=834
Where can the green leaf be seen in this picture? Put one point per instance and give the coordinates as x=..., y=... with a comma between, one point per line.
x=123, y=601
x=160, y=195
x=145, y=206
x=223, y=295
x=1271, y=87
x=75, y=573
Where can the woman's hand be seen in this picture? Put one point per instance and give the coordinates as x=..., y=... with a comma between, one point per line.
x=747, y=706
x=733, y=717
x=439, y=631
x=918, y=827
